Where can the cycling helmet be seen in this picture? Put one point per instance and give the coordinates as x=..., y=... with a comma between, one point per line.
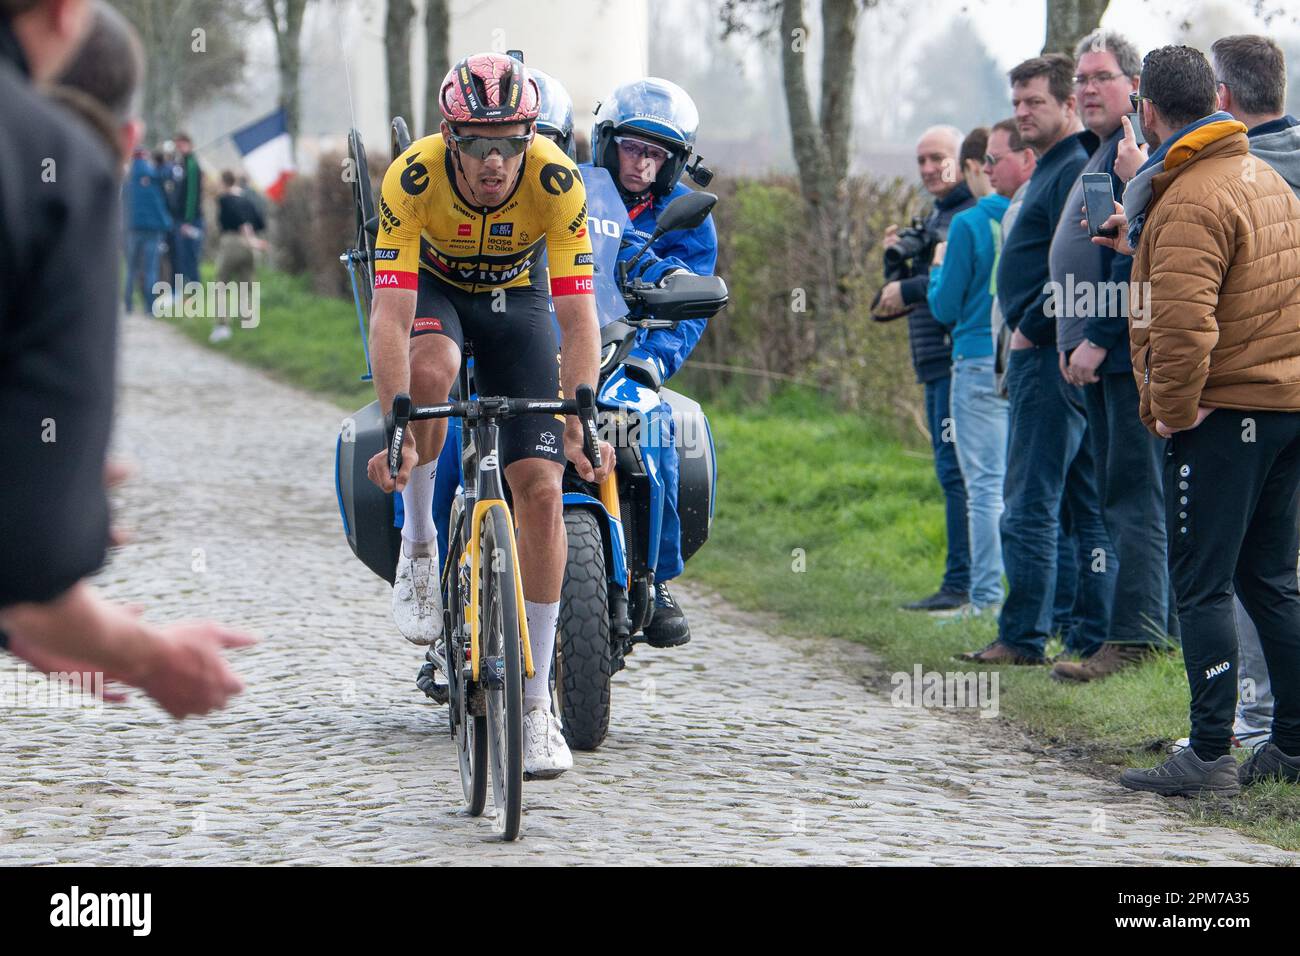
x=489, y=88
x=652, y=109
x=555, y=115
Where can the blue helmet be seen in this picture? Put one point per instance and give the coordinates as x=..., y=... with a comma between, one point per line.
x=556, y=117
x=654, y=110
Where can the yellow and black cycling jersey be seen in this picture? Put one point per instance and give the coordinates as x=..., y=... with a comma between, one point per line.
x=425, y=223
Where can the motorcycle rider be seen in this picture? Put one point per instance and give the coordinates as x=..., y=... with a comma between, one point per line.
x=644, y=134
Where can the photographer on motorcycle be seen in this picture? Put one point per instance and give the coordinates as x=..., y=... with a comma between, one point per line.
x=644, y=135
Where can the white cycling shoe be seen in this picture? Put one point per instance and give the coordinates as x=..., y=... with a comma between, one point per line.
x=546, y=754
x=417, y=602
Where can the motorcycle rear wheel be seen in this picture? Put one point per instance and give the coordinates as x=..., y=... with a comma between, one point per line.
x=583, y=667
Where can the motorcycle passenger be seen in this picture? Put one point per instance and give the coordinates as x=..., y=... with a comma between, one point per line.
x=644, y=135
x=465, y=215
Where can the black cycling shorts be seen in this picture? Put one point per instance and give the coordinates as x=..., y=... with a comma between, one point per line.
x=512, y=334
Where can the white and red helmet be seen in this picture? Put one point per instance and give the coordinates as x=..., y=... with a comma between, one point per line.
x=489, y=88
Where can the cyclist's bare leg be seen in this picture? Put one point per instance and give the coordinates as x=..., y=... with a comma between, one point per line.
x=435, y=363
x=543, y=549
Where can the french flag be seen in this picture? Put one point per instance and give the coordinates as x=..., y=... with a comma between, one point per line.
x=268, y=153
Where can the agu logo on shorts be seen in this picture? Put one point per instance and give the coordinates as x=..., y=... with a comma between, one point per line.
x=503, y=228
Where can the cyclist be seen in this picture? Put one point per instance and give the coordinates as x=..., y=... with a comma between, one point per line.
x=464, y=216
x=644, y=135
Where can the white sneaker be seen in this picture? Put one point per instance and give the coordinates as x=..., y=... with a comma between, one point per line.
x=417, y=602
x=546, y=754
x=220, y=334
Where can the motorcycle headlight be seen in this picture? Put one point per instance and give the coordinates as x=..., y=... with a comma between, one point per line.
x=607, y=355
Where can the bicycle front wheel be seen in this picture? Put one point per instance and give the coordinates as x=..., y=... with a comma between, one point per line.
x=502, y=670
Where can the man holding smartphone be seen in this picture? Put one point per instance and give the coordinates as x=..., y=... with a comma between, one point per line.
x=1126, y=458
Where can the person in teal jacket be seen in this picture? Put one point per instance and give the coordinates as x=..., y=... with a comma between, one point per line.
x=961, y=296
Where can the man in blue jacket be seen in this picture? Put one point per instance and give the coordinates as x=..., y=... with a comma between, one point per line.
x=1043, y=425
x=644, y=135
x=961, y=299
x=148, y=223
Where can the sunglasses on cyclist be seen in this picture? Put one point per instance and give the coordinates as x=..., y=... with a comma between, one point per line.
x=481, y=147
x=638, y=149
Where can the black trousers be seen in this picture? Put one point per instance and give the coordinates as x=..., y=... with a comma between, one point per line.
x=1232, y=509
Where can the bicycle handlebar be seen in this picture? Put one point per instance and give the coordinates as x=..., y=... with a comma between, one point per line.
x=403, y=413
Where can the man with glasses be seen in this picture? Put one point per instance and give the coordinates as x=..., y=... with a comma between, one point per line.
x=1125, y=479
x=464, y=218
x=644, y=134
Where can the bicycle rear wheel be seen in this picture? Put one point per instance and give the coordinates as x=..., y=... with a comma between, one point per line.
x=502, y=671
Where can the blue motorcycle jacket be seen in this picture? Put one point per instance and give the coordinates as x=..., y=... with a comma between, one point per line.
x=696, y=251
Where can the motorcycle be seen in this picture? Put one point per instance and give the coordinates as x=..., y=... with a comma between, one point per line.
x=614, y=529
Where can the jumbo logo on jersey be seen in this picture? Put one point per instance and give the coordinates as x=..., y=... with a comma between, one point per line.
x=556, y=179
x=503, y=228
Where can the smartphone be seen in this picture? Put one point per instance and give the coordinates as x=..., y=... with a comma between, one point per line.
x=1099, y=199
x=1137, y=129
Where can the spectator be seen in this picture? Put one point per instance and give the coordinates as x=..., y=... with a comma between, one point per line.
x=148, y=223
x=240, y=222
x=936, y=158
x=1218, y=368
x=960, y=299
x=58, y=328
x=1008, y=160
x=1044, y=429
x=187, y=214
x=1251, y=75
x=1127, y=457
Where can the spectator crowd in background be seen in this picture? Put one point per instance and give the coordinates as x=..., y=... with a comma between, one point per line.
x=1115, y=410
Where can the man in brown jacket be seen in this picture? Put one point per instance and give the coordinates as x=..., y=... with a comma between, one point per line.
x=1215, y=342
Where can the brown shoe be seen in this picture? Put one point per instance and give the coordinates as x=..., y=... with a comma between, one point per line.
x=1108, y=660
x=999, y=653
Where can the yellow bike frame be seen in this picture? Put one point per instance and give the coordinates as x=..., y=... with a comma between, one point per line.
x=481, y=508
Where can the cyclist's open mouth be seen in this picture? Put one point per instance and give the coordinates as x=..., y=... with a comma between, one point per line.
x=492, y=184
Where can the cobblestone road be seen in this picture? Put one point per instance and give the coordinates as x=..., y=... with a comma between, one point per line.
x=332, y=756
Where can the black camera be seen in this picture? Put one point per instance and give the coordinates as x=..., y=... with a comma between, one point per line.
x=915, y=245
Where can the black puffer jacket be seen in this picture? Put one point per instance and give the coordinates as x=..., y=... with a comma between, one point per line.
x=930, y=341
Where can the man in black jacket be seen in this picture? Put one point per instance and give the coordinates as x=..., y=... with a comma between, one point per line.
x=936, y=159
x=59, y=235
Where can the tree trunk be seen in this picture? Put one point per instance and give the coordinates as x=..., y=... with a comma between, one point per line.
x=437, y=40
x=397, y=51
x=1069, y=21
x=288, y=30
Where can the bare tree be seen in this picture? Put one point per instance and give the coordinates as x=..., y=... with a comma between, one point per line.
x=194, y=53
x=437, y=41
x=286, y=20
x=820, y=140
x=1069, y=20
x=397, y=52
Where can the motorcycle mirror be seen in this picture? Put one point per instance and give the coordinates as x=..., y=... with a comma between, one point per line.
x=686, y=212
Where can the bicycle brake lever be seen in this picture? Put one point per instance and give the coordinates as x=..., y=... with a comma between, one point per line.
x=397, y=422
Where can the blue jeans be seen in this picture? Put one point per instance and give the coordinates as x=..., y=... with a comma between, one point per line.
x=1045, y=446
x=979, y=418
x=938, y=412
x=143, y=249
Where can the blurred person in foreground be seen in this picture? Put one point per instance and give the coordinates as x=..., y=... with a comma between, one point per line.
x=1217, y=363
x=1045, y=430
x=240, y=222
x=938, y=164
x=58, y=340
